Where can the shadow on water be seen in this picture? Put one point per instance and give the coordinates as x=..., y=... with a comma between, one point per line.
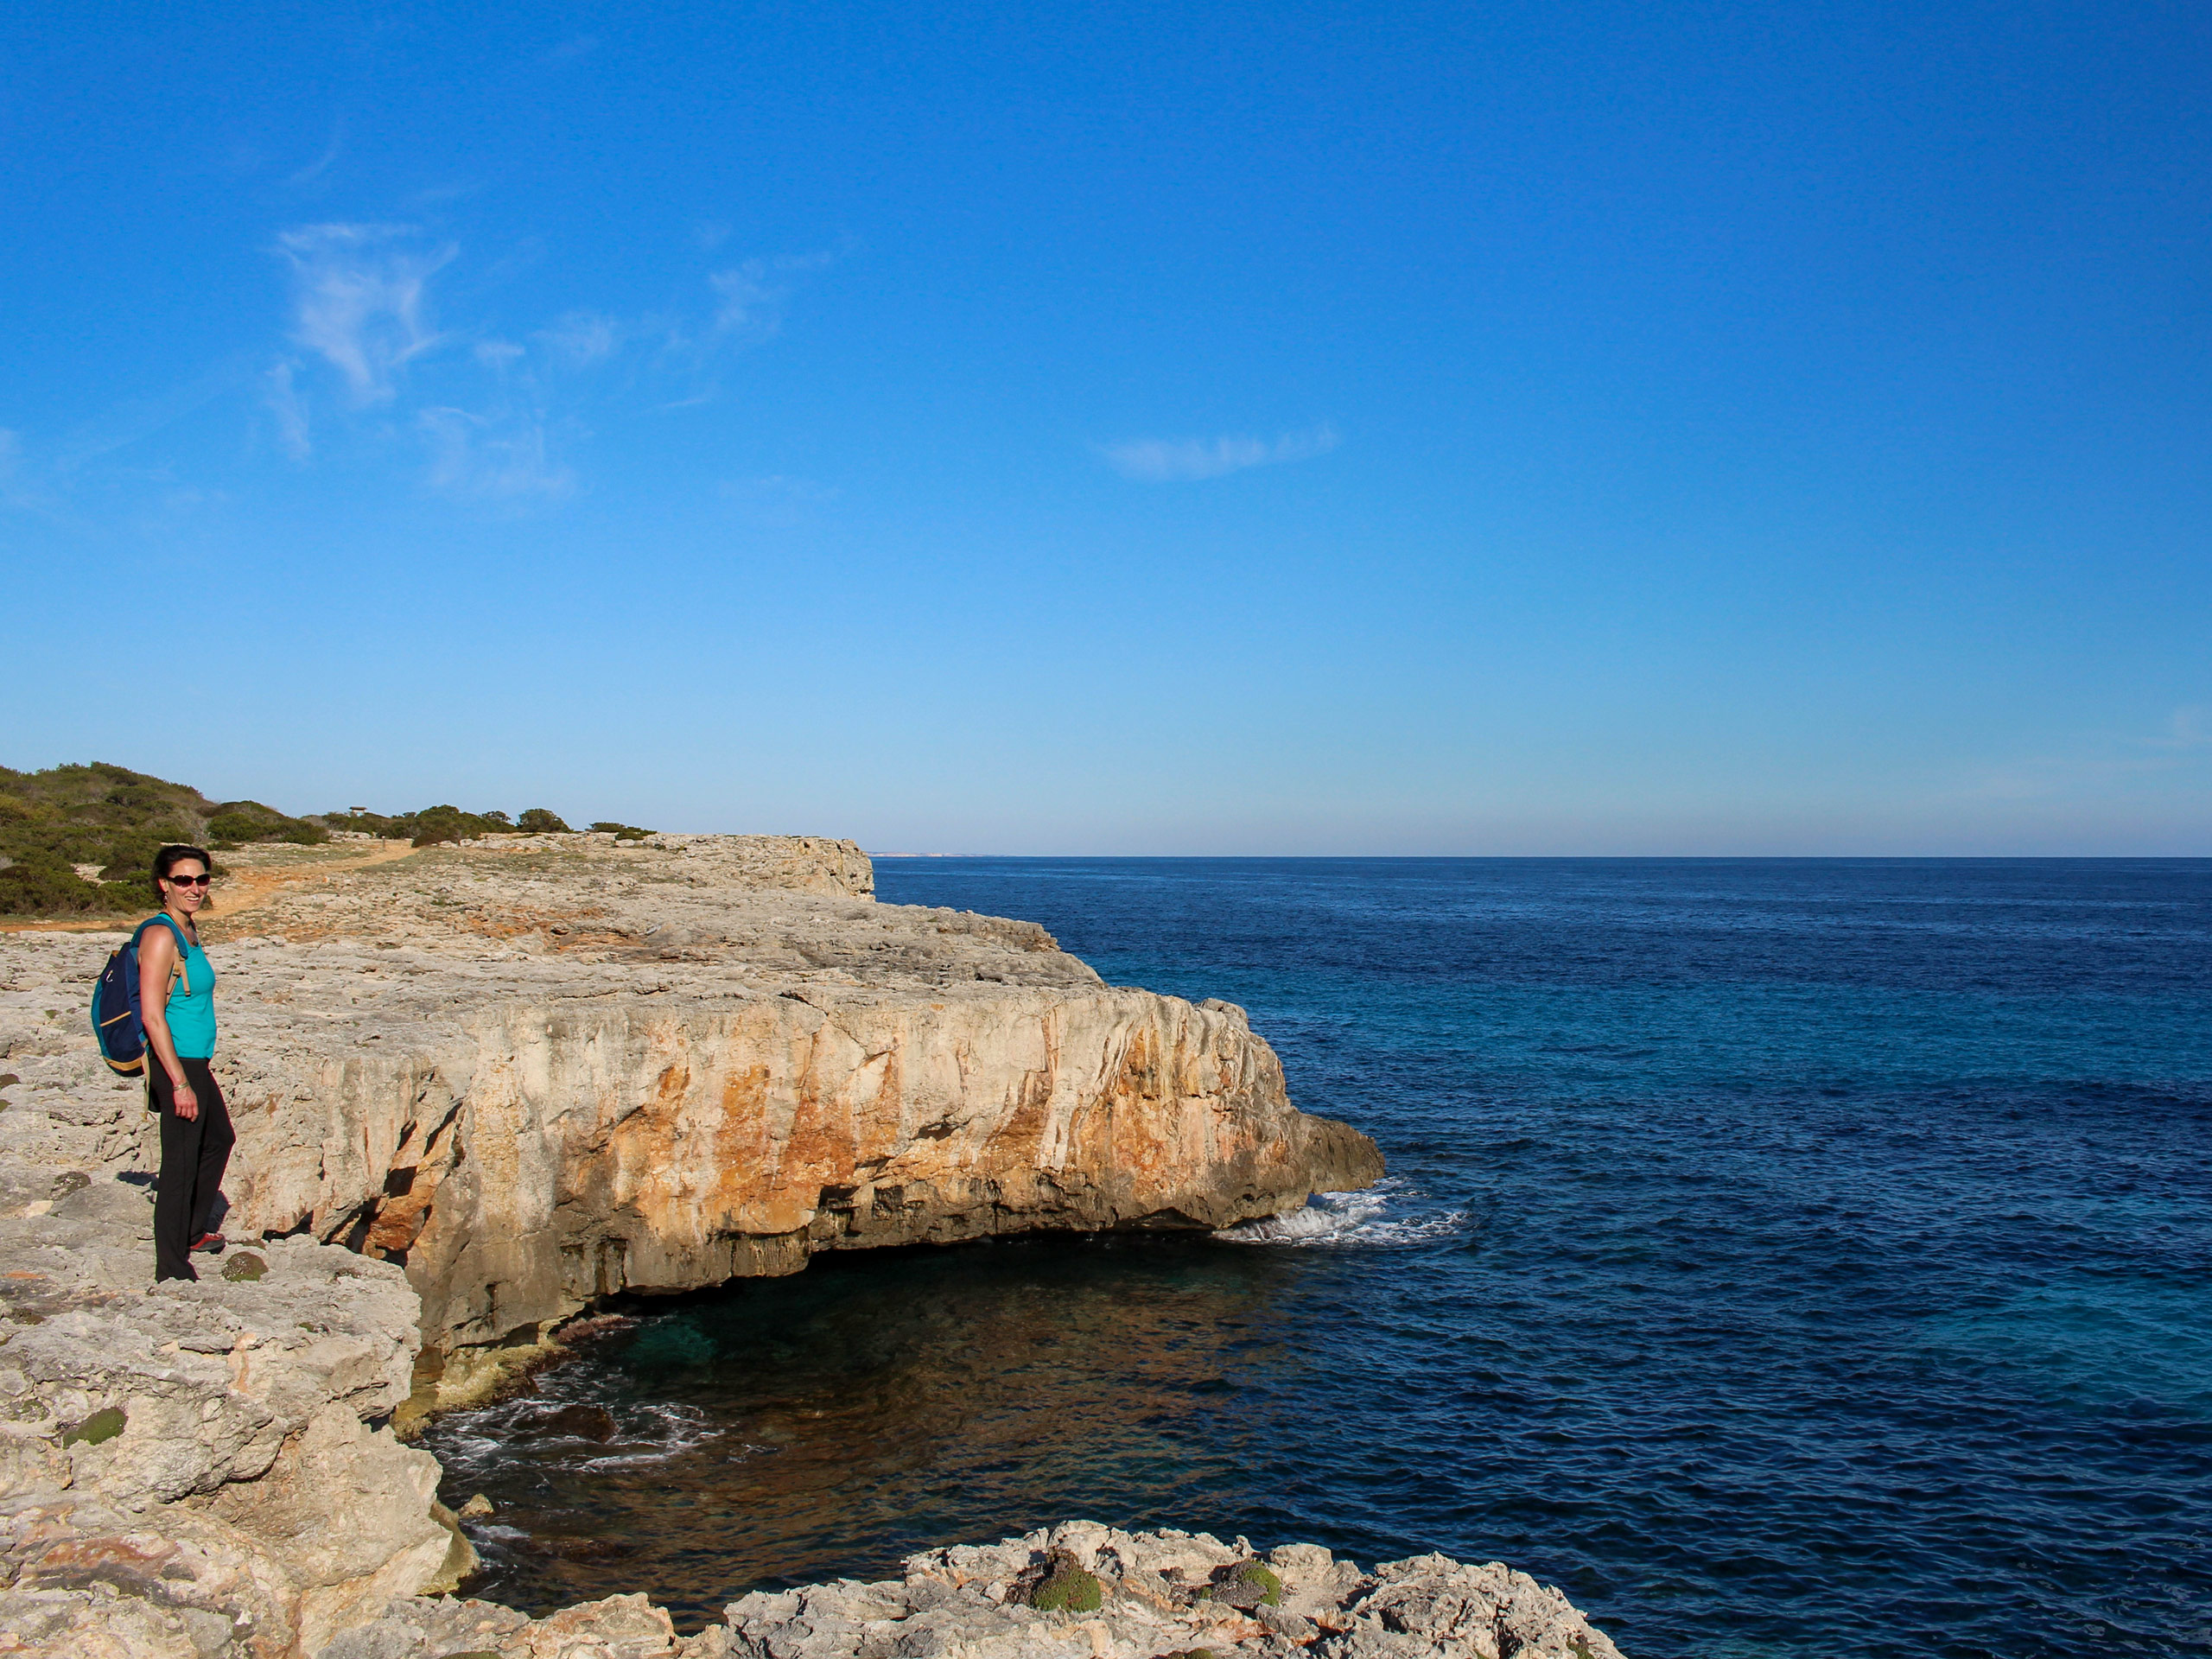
x=793, y=1429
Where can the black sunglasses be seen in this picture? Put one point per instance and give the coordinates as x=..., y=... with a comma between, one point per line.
x=189, y=881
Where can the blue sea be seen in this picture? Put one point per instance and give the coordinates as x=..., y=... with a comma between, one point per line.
x=1785, y=1258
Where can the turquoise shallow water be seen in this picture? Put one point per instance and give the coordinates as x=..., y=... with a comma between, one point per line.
x=1785, y=1258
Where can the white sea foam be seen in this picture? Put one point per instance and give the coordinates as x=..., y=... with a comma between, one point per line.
x=631, y=1459
x=667, y=1432
x=1376, y=1217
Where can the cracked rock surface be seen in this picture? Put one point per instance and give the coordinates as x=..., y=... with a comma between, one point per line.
x=205, y=1469
x=1156, y=1593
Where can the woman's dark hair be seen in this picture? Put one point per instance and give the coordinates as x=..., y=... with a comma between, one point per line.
x=169, y=857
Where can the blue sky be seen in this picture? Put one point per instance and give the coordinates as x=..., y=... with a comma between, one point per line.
x=1284, y=429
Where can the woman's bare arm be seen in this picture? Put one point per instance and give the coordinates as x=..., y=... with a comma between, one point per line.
x=156, y=963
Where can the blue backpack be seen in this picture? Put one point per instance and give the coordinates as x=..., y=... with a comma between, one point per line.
x=118, y=1021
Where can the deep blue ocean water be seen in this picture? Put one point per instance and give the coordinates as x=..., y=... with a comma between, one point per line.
x=1786, y=1258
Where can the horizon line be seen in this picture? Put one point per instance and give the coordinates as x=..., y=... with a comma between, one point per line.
x=1774, y=858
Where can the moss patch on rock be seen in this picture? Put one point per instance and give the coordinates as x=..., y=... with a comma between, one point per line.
x=1245, y=1583
x=244, y=1267
x=97, y=1429
x=1069, y=1589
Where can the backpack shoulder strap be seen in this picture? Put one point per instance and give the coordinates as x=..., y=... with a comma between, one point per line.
x=183, y=944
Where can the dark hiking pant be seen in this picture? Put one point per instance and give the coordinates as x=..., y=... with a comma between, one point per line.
x=192, y=1157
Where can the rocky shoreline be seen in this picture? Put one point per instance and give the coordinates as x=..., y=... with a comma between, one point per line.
x=1077, y=1591
x=479, y=1090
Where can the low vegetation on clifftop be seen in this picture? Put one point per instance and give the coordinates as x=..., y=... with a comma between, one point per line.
x=78, y=840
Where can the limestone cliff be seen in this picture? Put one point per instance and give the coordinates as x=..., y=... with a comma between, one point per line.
x=539, y=1071
x=514, y=1077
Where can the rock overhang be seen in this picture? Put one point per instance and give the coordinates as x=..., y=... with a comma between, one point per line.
x=510, y=1081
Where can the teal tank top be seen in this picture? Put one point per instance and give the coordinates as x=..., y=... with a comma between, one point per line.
x=192, y=1016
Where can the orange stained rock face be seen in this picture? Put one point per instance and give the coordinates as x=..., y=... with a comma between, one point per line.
x=667, y=1147
x=878, y=1090
x=1018, y=1142
x=102, y=1556
x=819, y=1148
x=699, y=1161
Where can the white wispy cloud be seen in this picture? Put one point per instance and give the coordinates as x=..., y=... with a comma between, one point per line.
x=284, y=403
x=359, y=299
x=2188, y=727
x=322, y=164
x=26, y=486
x=487, y=410
x=583, y=338
x=132, y=420
x=2106, y=761
x=1161, y=460
x=498, y=459
x=750, y=296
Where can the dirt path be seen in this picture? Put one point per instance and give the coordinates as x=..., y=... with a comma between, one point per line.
x=246, y=886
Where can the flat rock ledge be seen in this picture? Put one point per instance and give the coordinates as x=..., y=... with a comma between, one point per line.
x=1077, y=1591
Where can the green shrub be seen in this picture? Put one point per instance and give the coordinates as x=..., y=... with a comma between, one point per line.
x=116, y=819
x=1263, y=1579
x=39, y=883
x=369, y=824
x=242, y=821
x=435, y=824
x=131, y=858
x=1070, y=1589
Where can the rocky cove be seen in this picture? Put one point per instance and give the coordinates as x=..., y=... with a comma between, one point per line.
x=480, y=1089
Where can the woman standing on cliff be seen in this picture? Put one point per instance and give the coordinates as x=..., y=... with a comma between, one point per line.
x=176, y=996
